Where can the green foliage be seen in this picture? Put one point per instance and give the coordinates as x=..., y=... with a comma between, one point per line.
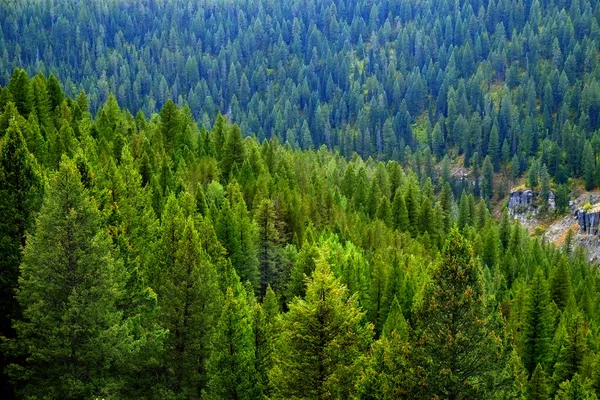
x=231, y=366
x=72, y=331
x=457, y=347
x=320, y=341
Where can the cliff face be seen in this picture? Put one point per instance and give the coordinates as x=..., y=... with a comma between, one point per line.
x=588, y=221
x=522, y=202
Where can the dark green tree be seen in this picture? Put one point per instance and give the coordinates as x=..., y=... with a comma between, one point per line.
x=457, y=347
x=74, y=335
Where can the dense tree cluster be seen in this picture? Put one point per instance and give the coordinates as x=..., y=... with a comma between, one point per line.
x=511, y=81
x=161, y=258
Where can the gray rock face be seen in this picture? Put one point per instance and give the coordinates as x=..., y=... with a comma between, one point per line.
x=520, y=201
x=588, y=221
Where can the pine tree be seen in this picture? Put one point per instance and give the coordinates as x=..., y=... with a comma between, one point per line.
x=265, y=316
x=487, y=183
x=319, y=341
x=187, y=291
x=399, y=212
x=20, y=88
x=538, y=387
x=537, y=329
x=231, y=366
x=560, y=284
x=20, y=194
x=575, y=389
x=457, y=350
x=234, y=151
x=572, y=353
x=269, y=244
x=588, y=166
x=71, y=328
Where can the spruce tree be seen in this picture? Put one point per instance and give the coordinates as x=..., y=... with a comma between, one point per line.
x=20, y=195
x=399, y=212
x=456, y=343
x=537, y=329
x=269, y=244
x=231, y=367
x=538, y=387
x=572, y=353
x=234, y=151
x=575, y=389
x=73, y=334
x=188, y=297
x=319, y=341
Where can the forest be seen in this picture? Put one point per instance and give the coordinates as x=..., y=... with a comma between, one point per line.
x=229, y=199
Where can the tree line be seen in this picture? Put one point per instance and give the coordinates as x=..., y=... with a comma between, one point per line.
x=515, y=80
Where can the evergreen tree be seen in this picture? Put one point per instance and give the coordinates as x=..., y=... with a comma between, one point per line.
x=269, y=244
x=588, y=166
x=189, y=300
x=487, y=183
x=560, y=284
x=574, y=389
x=319, y=341
x=71, y=329
x=538, y=387
x=234, y=151
x=537, y=327
x=457, y=350
x=572, y=353
x=399, y=212
x=20, y=193
x=231, y=366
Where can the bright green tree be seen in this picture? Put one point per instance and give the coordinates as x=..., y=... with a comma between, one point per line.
x=538, y=387
x=537, y=327
x=231, y=366
x=188, y=295
x=320, y=341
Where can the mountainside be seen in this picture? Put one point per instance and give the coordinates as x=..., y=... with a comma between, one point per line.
x=512, y=79
x=299, y=199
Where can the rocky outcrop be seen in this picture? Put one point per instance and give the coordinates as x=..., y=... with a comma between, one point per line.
x=522, y=202
x=588, y=221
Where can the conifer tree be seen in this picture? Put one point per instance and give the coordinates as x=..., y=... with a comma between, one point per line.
x=189, y=302
x=457, y=347
x=234, y=151
x=575, y=389
x=319, y=341
x=572, y=353
x=537, y=329
x=20, y=195
x=74, y=335
x=538, y=387
x=231, y=366
x=560, y=284
x=22, y=95
x=399, y=212
x=269, y=244
x=265, y=316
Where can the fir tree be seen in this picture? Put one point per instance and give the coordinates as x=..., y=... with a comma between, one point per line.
x=231, y=366
x=189, y=300
x=457, y=350
x=319, y=341
x=71, y=328
x=537, y=329
x=538, y=387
